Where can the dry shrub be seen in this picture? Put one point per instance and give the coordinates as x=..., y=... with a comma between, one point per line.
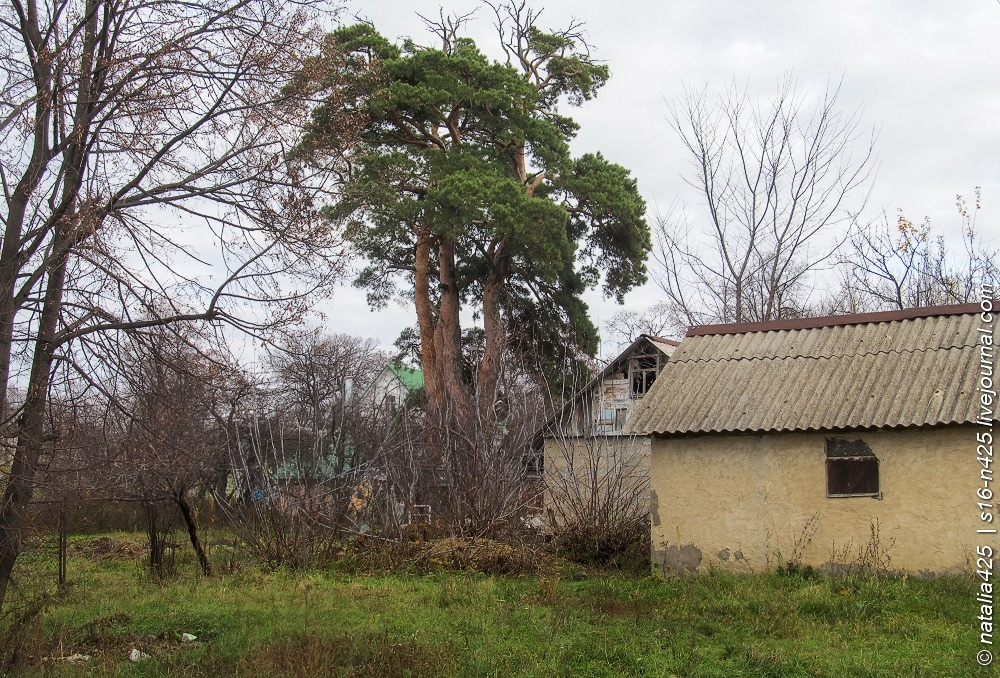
x=465, y=554
x=625, y=549
x=290, y=536
x=486, y=556
x=106, y=548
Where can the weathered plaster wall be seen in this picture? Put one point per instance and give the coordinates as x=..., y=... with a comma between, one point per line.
x=752, y=502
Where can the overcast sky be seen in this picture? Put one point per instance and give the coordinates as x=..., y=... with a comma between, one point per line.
x=925, y=75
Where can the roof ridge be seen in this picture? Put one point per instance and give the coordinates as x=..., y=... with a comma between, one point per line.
x=833, y=320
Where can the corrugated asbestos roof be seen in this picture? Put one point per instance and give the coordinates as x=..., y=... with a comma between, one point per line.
x=911, y=371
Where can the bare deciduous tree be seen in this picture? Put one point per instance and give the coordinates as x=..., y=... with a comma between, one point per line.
x=780, y=181
x=903, y=265
x=626, y=326
x=315, y=375
x=170, y=439
x=143, y=152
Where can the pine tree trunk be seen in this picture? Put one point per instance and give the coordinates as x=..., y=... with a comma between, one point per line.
x=488, y=376
x=427, y=322
x=440, y=333
x=449, y=337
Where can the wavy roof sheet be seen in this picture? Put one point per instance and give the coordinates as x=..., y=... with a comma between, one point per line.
x=910, y=368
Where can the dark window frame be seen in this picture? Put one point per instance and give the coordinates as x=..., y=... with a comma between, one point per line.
x=643, y=369
x=852, y=469
x=533, y=464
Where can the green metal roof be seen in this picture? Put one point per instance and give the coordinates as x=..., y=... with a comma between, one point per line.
x=411, y=380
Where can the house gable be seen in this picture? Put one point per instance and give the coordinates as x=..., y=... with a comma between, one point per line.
x=604, y=405
x=392, y=386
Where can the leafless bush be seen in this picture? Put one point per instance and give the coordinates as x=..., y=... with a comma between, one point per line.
x=283, y=513
x=601, y=482
x=597, y=489
x=469, y=474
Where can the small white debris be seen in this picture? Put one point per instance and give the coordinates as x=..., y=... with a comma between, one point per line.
x=77, y=658
x=188, y=638
x=136, y=656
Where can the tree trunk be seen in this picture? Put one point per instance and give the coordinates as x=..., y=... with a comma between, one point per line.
x=31, y=428
x=496, y=335
x=426, y=322
x=156, y=543
x=11, y=256
x=31, y=424
x=192, y=529
x=440, y=333
x=63, y=544
x=448, y=336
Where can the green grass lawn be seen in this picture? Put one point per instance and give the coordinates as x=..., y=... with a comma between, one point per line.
x=254, y=623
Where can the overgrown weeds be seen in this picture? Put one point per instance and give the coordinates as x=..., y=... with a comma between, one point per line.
x=871, y=559
x=466, y=554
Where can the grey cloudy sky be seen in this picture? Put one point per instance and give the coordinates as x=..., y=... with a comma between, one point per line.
x=925, y=74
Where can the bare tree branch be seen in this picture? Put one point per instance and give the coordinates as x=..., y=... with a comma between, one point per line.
x=780, y=183
x=148, y=180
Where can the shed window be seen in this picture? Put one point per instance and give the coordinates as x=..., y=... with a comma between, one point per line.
x=851, y=469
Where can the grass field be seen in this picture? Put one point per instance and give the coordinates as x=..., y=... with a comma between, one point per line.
x=254, y=623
